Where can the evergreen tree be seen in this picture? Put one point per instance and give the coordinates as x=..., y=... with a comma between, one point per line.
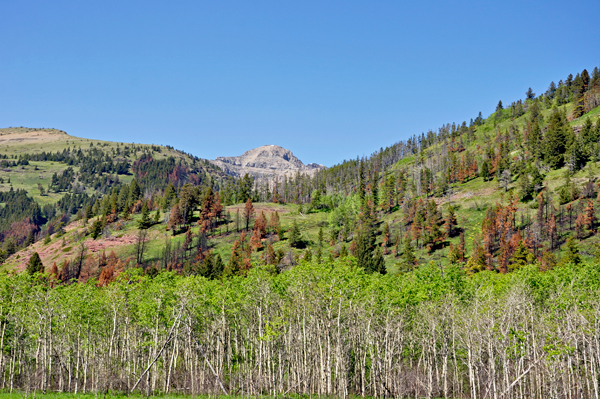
x=595, y=80
x=97, y=227
x=30, y=238
x=585, y=80
x=450, y=222
x=556, y=140
x=134, y=192
x=144, y=221
x=530, y=94
x=365, y=245
x=308, y=255
x=485, y=170
x=175, y=219
x=34, y=265
x=408, y=258
x=571, y=254
x=248, y=213
x=521, y=257
x=218, y=267
x=361, y=182
x=295, y=237
x=525, y=187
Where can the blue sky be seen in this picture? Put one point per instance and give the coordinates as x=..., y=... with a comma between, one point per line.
x=328, y=80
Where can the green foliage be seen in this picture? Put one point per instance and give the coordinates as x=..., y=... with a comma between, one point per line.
x=568, y=191
x=485, y=170
x=34, y=265
x=97, y=227
x=295, y=236
x=144, y=221
x=557, y=140
x=408, y=258
x=571, y=253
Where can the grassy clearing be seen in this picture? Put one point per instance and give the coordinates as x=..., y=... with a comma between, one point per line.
x=28, y=177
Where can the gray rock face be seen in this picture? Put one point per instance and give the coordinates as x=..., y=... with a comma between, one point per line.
x=266, y=162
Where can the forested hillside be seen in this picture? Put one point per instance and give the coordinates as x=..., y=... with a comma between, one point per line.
x=458, y=263
x=494, y=193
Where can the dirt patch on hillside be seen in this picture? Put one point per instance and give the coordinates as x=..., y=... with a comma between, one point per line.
x=10, y=136
x=258, y=209
x=57, y=251
x=483, y=193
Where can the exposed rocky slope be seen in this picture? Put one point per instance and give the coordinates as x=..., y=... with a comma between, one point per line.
x=265, y=162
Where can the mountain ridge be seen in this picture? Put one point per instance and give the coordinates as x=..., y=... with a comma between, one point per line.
x=265, y=162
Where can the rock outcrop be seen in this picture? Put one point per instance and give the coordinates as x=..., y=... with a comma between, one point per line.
x=265, y=163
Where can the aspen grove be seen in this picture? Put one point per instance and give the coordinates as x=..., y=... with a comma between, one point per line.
x=320, y=328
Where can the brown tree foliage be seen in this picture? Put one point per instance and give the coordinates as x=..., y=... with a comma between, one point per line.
x=248, y=213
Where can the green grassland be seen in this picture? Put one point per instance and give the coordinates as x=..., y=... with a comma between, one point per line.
x=28, y=177
x=53, y=140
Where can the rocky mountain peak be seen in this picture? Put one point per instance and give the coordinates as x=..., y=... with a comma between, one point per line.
x=264, y=163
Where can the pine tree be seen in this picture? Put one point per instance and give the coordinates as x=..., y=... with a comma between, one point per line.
x=590, y=216
x=408, y=258
x=248, y=213
x=571, y=254
x=34, y=265
x=552, y=231
x=365, y=243
x=235, y=261
x=255, y=241
x=455, y=254
x=308, y=255
x=270, y=257
x=361, y=182
x=485, y=170
x=525, y=187
x=134, y=192
x=175, y=219
x=580, y=226
x=556, y=140
x=144, y=221
x=218, y=267
x=530, y=94
x=378, y=263
x=478, y=260
x=295, y=238
x=319, y=254
x=97, y=227
x=521, y=257
x=450, y=222
x=385, y=238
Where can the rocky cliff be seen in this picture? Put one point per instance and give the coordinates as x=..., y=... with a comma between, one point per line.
x=265, y=162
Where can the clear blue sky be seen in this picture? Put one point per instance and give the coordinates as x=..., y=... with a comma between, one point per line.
x=328, y=80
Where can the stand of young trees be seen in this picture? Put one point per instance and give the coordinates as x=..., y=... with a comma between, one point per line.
x=319, y=329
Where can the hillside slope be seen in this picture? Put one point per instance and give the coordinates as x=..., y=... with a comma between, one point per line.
x=517, y=187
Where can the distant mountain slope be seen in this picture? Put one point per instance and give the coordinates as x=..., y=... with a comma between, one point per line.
x=265, y=162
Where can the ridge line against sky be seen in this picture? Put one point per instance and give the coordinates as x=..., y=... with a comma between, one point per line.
x=327, y=80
